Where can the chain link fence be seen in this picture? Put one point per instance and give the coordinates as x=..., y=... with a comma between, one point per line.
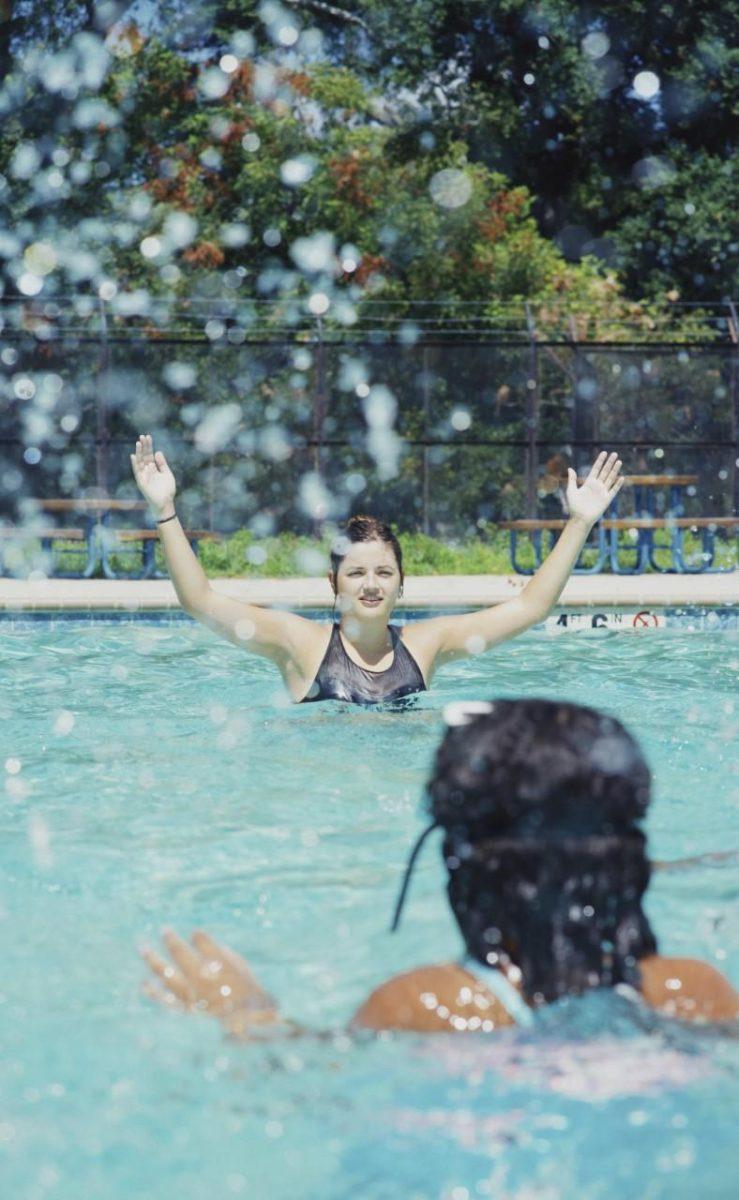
x=442, y=433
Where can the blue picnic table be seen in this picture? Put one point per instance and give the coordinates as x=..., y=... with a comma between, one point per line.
x=658, y=504
x=648, y=492
x=94, y=514
x=99, y=541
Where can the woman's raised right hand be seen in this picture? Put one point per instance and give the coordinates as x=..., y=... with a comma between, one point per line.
x=154, y=478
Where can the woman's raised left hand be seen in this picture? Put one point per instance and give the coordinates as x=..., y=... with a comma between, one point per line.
x=589, y=501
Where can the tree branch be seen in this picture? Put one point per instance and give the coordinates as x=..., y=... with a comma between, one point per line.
x=331, y=11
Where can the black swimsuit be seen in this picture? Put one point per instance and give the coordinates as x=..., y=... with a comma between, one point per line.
x=339, y=678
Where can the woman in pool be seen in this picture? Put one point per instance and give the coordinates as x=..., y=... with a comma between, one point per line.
x=363, y=658
x=540, y=805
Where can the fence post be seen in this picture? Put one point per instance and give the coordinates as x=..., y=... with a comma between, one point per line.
x=319, y=412
x=733, y=323
x=102, y=436
x=531, y=467
x=585, y=411
x=211, y=485
x=425, y=493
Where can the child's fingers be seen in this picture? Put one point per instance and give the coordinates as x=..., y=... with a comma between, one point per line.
x=171, y=978
x=186, y=958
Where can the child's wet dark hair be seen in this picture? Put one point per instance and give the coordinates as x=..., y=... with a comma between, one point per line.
x=364, y=529
x=540, y=804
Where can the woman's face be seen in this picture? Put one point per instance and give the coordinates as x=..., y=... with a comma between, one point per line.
x=368, y=581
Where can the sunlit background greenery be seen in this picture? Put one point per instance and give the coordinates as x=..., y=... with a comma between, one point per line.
x=269, y=232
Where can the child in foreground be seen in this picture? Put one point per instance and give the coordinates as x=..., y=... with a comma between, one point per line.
x=540, y=805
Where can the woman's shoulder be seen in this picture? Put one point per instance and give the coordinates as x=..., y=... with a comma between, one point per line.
x=443, y=997
x=688, y=988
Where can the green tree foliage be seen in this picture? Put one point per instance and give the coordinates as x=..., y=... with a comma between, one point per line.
x=274, y=176
x=341, y=164
x=544, y=93
x=536, y=105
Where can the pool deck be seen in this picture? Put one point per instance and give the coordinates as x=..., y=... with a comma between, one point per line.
x=438, y=591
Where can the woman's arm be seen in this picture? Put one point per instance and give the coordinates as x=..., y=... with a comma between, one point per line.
x=283, y=637
x=442, y=639
x=158, y=487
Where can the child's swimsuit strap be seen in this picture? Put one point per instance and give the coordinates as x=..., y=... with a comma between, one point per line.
x=503, y=990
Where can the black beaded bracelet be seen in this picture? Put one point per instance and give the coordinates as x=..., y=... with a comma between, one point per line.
x=164, y=522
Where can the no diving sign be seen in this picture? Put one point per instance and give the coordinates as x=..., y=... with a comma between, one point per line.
x=646, y=620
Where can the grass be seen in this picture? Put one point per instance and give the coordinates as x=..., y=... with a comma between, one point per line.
x=288, y=555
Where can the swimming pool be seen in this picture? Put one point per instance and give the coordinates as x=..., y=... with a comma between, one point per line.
x=156, y=775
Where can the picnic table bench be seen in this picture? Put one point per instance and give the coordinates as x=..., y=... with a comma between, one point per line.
x=99, y=541
x=644, y=523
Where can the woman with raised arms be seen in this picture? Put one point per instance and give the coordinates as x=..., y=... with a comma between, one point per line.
x=362, y=658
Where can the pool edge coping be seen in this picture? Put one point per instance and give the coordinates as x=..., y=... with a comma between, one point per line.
x=420, y=592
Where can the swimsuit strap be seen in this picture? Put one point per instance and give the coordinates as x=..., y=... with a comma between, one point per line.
x=503, y=990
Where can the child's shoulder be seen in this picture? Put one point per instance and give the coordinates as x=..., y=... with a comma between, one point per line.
x=688, y=988
x=443, y=997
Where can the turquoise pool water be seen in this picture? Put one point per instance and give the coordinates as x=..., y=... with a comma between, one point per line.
x=153, y=775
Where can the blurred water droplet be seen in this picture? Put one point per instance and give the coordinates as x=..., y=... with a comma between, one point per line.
x=595, y=44
x=213, y=83
x=653, y=172
x=461, y=419
x=318, y=303
x=450, y=188
x=179, y=229
x=40, y=258
x=295, y=171
x=64, y=722
x=311, y=561
x=315, y=253
x=25, y=161
x=150, y=247
x=646, y=84
x=40, y=839
x=314, y=498
x=217, y=428
x=30, y=284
